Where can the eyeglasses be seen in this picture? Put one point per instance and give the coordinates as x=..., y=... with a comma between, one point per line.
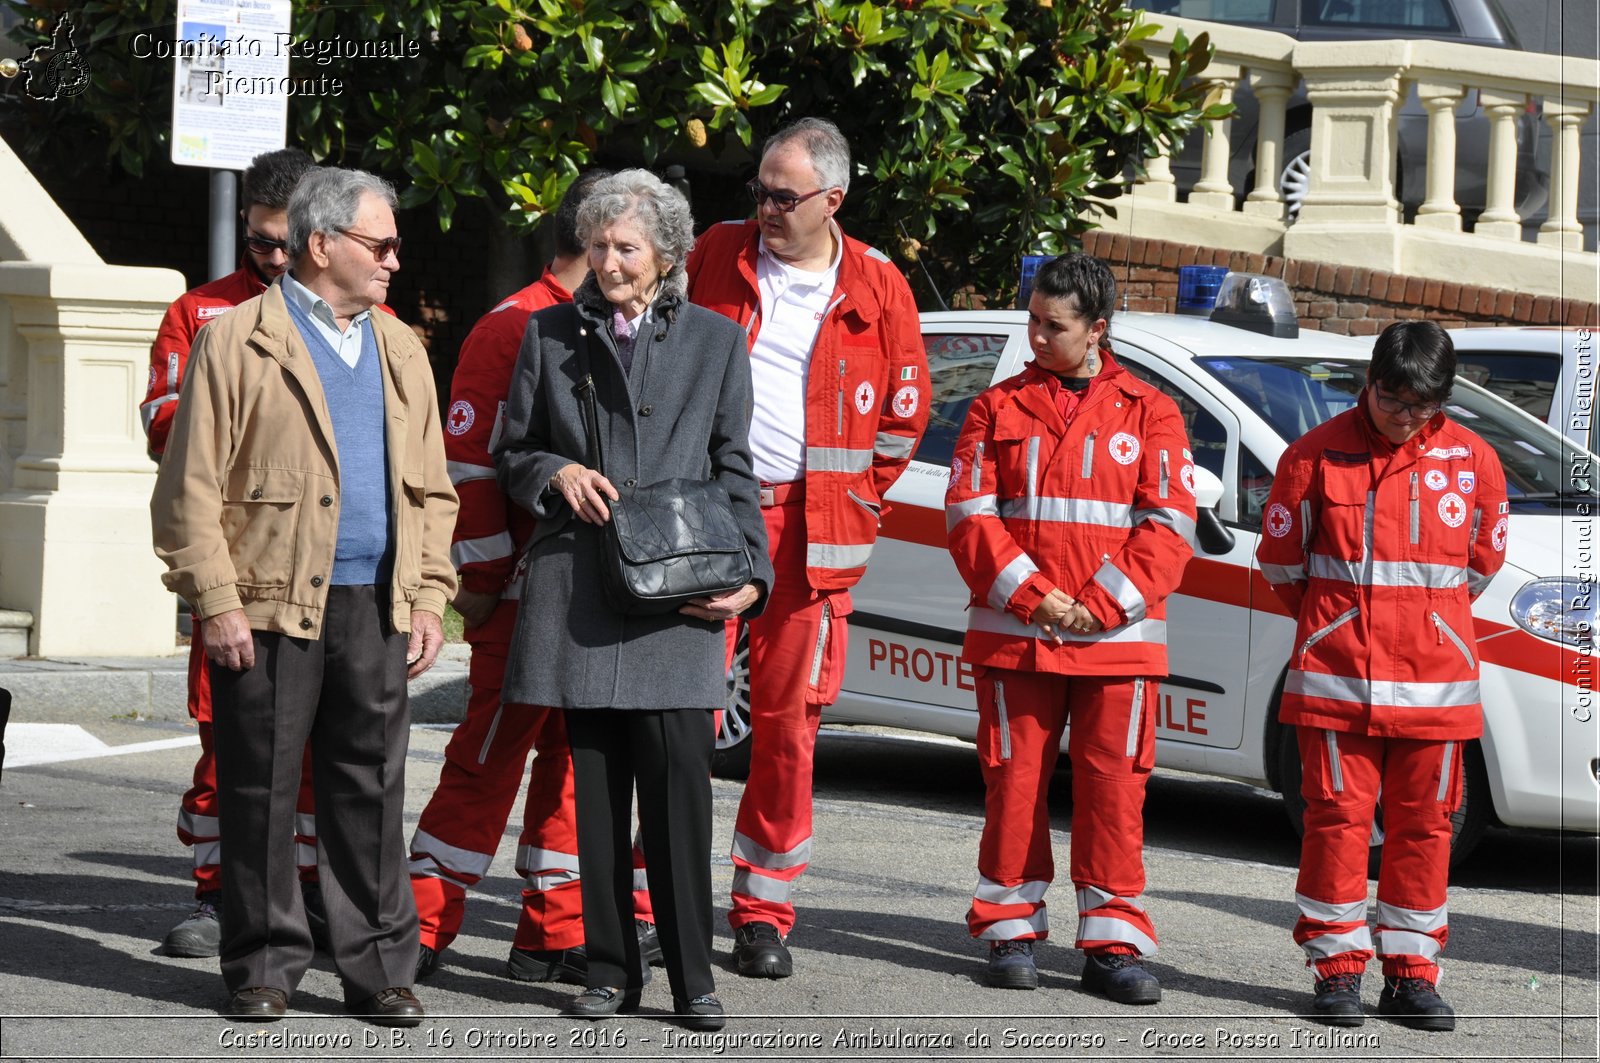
x=262, y=246
x=784, y=201
x=381, y=249
x=1415, y=411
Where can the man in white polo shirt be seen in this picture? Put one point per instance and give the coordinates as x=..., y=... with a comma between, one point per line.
x=841, y=399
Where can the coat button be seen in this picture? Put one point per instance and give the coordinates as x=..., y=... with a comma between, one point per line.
x=316, y=581
x=256, y=493
x=630, y=482
x=327, y=500
x=305, y=623
x=646, y=411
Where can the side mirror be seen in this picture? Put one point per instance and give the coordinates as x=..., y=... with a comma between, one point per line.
x=1210, y=533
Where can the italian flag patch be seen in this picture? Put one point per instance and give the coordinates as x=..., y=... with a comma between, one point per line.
x=908, y=373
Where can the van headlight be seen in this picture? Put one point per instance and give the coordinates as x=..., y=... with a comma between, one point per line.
x=1556, y=608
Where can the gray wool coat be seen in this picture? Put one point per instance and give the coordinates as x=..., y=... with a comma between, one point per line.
x=682, y=411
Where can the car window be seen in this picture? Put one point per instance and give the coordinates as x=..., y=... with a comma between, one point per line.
x=1393, y=14
x=1521, y=378
x=1208, y=439
x=1243, y=12
x=1255, y=484
x=960, y=366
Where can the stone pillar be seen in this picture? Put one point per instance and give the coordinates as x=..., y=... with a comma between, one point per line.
x=1566, y=119
x=1499, y=219
x=1440, y=210
x=1272, y=88
x=1213, y=190
x=1158, y=182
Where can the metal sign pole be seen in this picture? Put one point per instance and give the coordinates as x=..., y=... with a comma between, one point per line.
x=224, y=226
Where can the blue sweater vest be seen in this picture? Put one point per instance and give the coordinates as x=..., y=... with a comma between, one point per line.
x=355, y=402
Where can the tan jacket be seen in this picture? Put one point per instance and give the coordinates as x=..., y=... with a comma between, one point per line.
x=246, y=507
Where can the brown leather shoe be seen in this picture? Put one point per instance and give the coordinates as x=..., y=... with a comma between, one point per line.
x=257, y=1004
x=390, y=1007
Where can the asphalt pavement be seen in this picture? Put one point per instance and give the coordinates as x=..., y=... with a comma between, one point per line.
x=92, y=876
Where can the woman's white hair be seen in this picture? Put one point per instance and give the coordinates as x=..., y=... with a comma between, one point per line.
x=659, y=209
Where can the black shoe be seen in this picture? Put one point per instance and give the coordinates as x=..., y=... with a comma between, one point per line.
x=1416, y=1003
x=1121, y=977
x=200, y=933
x=390, y=1007
x=316, y=914
x=759, y=952
x=1338, y=1001
x=701, y=1013
x=601, y=1002
x=427, y=962
x=257, y=1004
x=1011, y=966
x=649, y=942
x=549, y=965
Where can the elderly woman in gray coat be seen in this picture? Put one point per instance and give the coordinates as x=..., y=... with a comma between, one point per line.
x=672, y=383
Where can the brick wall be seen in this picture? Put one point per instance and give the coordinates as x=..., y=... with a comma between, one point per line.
x=1343, y=299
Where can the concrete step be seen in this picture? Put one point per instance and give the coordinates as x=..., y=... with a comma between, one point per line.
x=14, y=627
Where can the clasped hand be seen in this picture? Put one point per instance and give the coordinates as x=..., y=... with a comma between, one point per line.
x=586, y=491
x=1058, y=613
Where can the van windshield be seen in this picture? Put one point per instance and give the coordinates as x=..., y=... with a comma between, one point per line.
x=1295, y=395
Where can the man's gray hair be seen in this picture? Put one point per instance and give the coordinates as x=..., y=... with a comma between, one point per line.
x=327, y=199
x=823, y=144
x=659, y=210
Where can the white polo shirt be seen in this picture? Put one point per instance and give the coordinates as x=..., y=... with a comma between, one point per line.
x=793, y=305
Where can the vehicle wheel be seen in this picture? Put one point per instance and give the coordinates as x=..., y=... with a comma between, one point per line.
x=731, y=758
x=1467, y=823
x=1295, y=178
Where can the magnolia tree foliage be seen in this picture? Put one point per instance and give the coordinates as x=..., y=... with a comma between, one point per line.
x=979, y=127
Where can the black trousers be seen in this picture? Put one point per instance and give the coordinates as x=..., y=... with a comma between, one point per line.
x=668, y=754
x=346, y=693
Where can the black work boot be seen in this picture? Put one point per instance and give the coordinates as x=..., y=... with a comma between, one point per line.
x=200, y=934
x=1011, y=966
x=1338, y=1001
x=1120, y=977
x=1416, y=1003
x=759, y=952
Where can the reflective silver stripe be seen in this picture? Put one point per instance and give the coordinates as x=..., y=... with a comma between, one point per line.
x=1407, y=943
x=499, y=425
x=1416, y=512
x=304, y=855
x=1092, y=897
x=1367, y=518
x=956, y=512
x=1422, y=921
x=207, y=854
x=488, y=739
x=541, y=881
x=1305, y=524
x=1386, y=573
x=977, y=467
x=1460, y=644
x=1119, y=586
x=1328, y=629
x=425, y=846
x=1003, y=719
x=1109, y=928
x=822, y=644
x=1033, y=466
x=827, y=555
x=1133, y=718
x=462, y=472
x=752, y=852
x=1335, y=769
x=1476, y=582
x=992, y=892
x=997, y=623
x=1283, y=573
x=147, y=412
x=890, y=445
x=546, y=869
x=1324, y=912
x=641, y=879
x=837, y=459
x=1403, y=695
x=197, y=825
x=762, y=887
x=1069, y=511
x=305, y=824
x=1356, y=939
x=1088, y=456
x=488, y=548
x=172, y=372
x=1175, y=519
x=1012, y=577
x=1011, y=929
x=1472, y=540
x=1165, y=479
x=513, y=591
x=1444, y=792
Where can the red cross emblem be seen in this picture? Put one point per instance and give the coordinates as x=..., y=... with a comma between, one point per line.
x=1279, y=520
x=460, y=417
x=1453, y=509
x=1124, y=448
x=905, y=401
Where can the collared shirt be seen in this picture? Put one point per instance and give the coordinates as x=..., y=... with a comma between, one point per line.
x=793, y=305
x=346, y=344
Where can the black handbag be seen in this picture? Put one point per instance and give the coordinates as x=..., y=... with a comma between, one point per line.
x=667, y=542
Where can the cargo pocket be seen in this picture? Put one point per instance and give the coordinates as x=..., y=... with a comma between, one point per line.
x=1449, y=792
x=1142, y=725
x=828, y=648
x=260, y=513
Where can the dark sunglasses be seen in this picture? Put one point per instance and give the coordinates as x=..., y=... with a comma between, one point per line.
x=381, y=249
x=262, y=246
x=784, y=201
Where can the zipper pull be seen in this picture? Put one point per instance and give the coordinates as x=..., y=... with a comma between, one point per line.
x=1438, y=630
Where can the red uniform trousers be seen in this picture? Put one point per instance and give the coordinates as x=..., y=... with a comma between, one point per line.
x=460, y=828
x=1342, y=774
x=797, y=656
x=1112, y=744
x=197, y=812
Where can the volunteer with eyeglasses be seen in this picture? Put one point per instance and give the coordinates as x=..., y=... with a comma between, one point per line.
x=1383, y=525
x=841, y=399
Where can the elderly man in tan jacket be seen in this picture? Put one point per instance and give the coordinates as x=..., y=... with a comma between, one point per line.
x=304, y=509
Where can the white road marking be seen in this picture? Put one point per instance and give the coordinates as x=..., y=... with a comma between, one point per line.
x=31, y=744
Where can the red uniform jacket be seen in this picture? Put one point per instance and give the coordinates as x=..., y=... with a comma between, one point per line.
x=1379, y=551
x=866, y=390
x=491, y=530
x=1100, y=507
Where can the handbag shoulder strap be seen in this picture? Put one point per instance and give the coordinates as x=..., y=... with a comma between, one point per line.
x=591, y=418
